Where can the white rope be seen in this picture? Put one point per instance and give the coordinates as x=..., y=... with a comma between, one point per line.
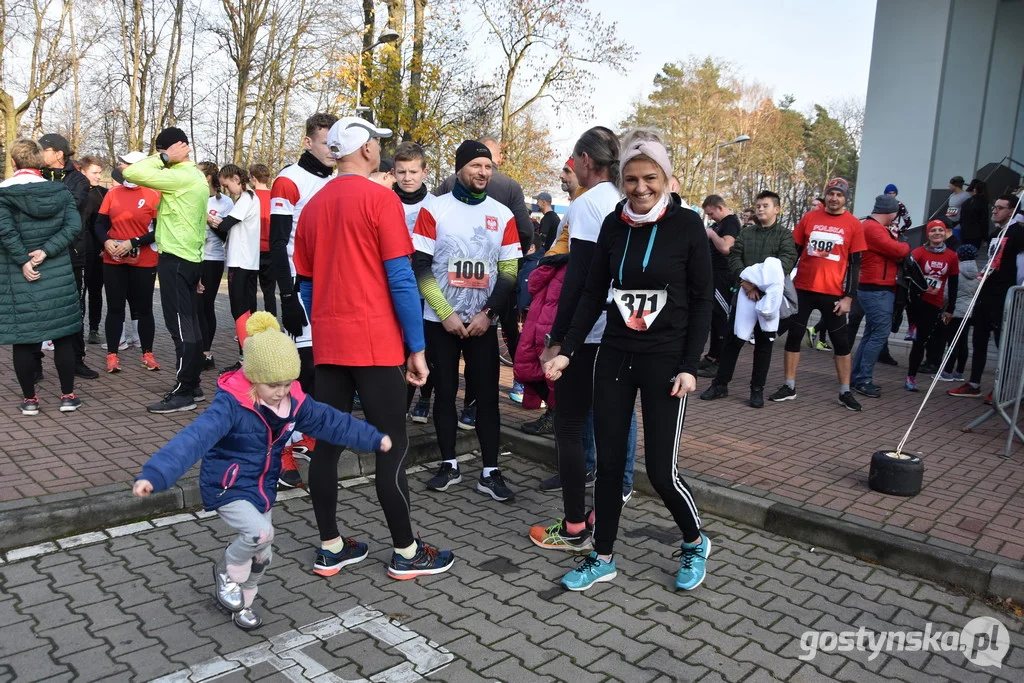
x=956, y=337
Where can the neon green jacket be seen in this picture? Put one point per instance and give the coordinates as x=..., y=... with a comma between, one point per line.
x=181, y=216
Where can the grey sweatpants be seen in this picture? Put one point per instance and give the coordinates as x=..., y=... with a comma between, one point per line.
x=248, y=556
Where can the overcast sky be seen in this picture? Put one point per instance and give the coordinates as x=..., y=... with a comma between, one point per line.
x=817, y=51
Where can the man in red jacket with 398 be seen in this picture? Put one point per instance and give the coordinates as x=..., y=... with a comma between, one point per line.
x=876, y=291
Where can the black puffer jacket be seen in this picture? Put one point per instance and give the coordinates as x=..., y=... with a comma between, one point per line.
x=78, y=184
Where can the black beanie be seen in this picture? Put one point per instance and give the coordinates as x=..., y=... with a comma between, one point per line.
x=469, y=150
x=169, y=136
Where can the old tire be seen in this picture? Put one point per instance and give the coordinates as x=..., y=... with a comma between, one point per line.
x=896, y=475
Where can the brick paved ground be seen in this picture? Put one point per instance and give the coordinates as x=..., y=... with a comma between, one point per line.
x=814, y=453
x=140, y=607
x=810, y=451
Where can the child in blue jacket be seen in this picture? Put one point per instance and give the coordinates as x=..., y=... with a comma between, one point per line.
x=239, y=439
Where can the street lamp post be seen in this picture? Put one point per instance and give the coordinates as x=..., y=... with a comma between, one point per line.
x=387, y=36
x=738, y=141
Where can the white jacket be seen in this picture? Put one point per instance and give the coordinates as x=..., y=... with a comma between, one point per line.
x=769, y=278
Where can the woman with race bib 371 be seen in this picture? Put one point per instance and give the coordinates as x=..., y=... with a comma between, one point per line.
x=654, y=254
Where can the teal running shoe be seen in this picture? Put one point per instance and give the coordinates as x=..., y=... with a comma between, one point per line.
x=589, y=571
x=692, y=565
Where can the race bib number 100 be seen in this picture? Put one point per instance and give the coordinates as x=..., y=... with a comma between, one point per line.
x=822, y=244
x=468, y=273
x=639, y=307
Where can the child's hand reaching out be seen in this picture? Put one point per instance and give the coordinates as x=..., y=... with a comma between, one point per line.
x=143, y=487
x=385, y=445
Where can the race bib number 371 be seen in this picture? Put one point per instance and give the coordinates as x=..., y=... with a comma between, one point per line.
x=639, y=307
x=468, y=273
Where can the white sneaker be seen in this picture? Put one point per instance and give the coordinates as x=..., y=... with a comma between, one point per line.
x=48, y=345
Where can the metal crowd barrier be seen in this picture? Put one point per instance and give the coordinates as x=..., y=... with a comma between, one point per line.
x=1009, y=380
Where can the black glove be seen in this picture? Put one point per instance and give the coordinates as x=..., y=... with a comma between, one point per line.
x=293, y=314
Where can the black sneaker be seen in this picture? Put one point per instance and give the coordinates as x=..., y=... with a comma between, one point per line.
x=209, y=363
x=783, y=394
x=197, y=394
x=84, y=371
x=715, y=391
x=232, y=368
x=495, y=487
x=427, y=560
x=868, y=389
x=30, y=406
x=551, y=484
x=543, y=425
x=329, y=564
x=847, y=400
x=289, y=479
x=887, y=359
x=707, y=367
x=627, y=493
x=928, y=367
x=94, y=337
x=69, y=403
x=445, y=477
x=757, y=397
x=590, y=479
x=468, y=419
x=38, y=376
x=173, y=402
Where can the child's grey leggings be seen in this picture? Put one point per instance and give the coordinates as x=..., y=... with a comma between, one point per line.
x=248, y=555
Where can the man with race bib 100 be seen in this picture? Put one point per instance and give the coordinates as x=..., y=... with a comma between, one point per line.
x=829, y=243
x=467, y=255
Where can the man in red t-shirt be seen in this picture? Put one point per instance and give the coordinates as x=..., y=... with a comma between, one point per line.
x=829, y=242
x=260, y=175
x=364, y=310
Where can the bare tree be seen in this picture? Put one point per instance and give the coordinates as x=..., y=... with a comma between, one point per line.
x=240, y=38
x=34, y=35
x=549, y=50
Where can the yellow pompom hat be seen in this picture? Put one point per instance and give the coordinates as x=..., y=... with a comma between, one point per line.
x=268, y=355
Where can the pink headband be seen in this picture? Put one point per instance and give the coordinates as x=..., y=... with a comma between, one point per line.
x=654, y=150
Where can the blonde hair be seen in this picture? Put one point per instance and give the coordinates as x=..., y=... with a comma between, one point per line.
x=26, y=153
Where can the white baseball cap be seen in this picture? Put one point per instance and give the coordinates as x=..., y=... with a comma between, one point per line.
x=132, y=157
x=350, y=133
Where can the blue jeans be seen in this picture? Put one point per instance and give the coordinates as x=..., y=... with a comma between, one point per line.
x=590, y=448
x=877, y=322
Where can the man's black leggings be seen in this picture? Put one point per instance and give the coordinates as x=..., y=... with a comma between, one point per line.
x=242, y=294
x=25, y=365
x=268, y=283
x=574, y=392
x=808, y=301
x=382, y=393
x=618, y=376
x=988, y=321
x=133, y=284
x=179, y=280
x=721, y=310
x=212, y=272
x=481, y=354
x=94, y=285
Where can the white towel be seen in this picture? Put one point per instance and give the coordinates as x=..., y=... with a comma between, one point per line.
x=769, y=278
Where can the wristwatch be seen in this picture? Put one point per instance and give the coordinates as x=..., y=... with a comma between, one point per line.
x=165, y=159
x=490, y=313
x=549, y=341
